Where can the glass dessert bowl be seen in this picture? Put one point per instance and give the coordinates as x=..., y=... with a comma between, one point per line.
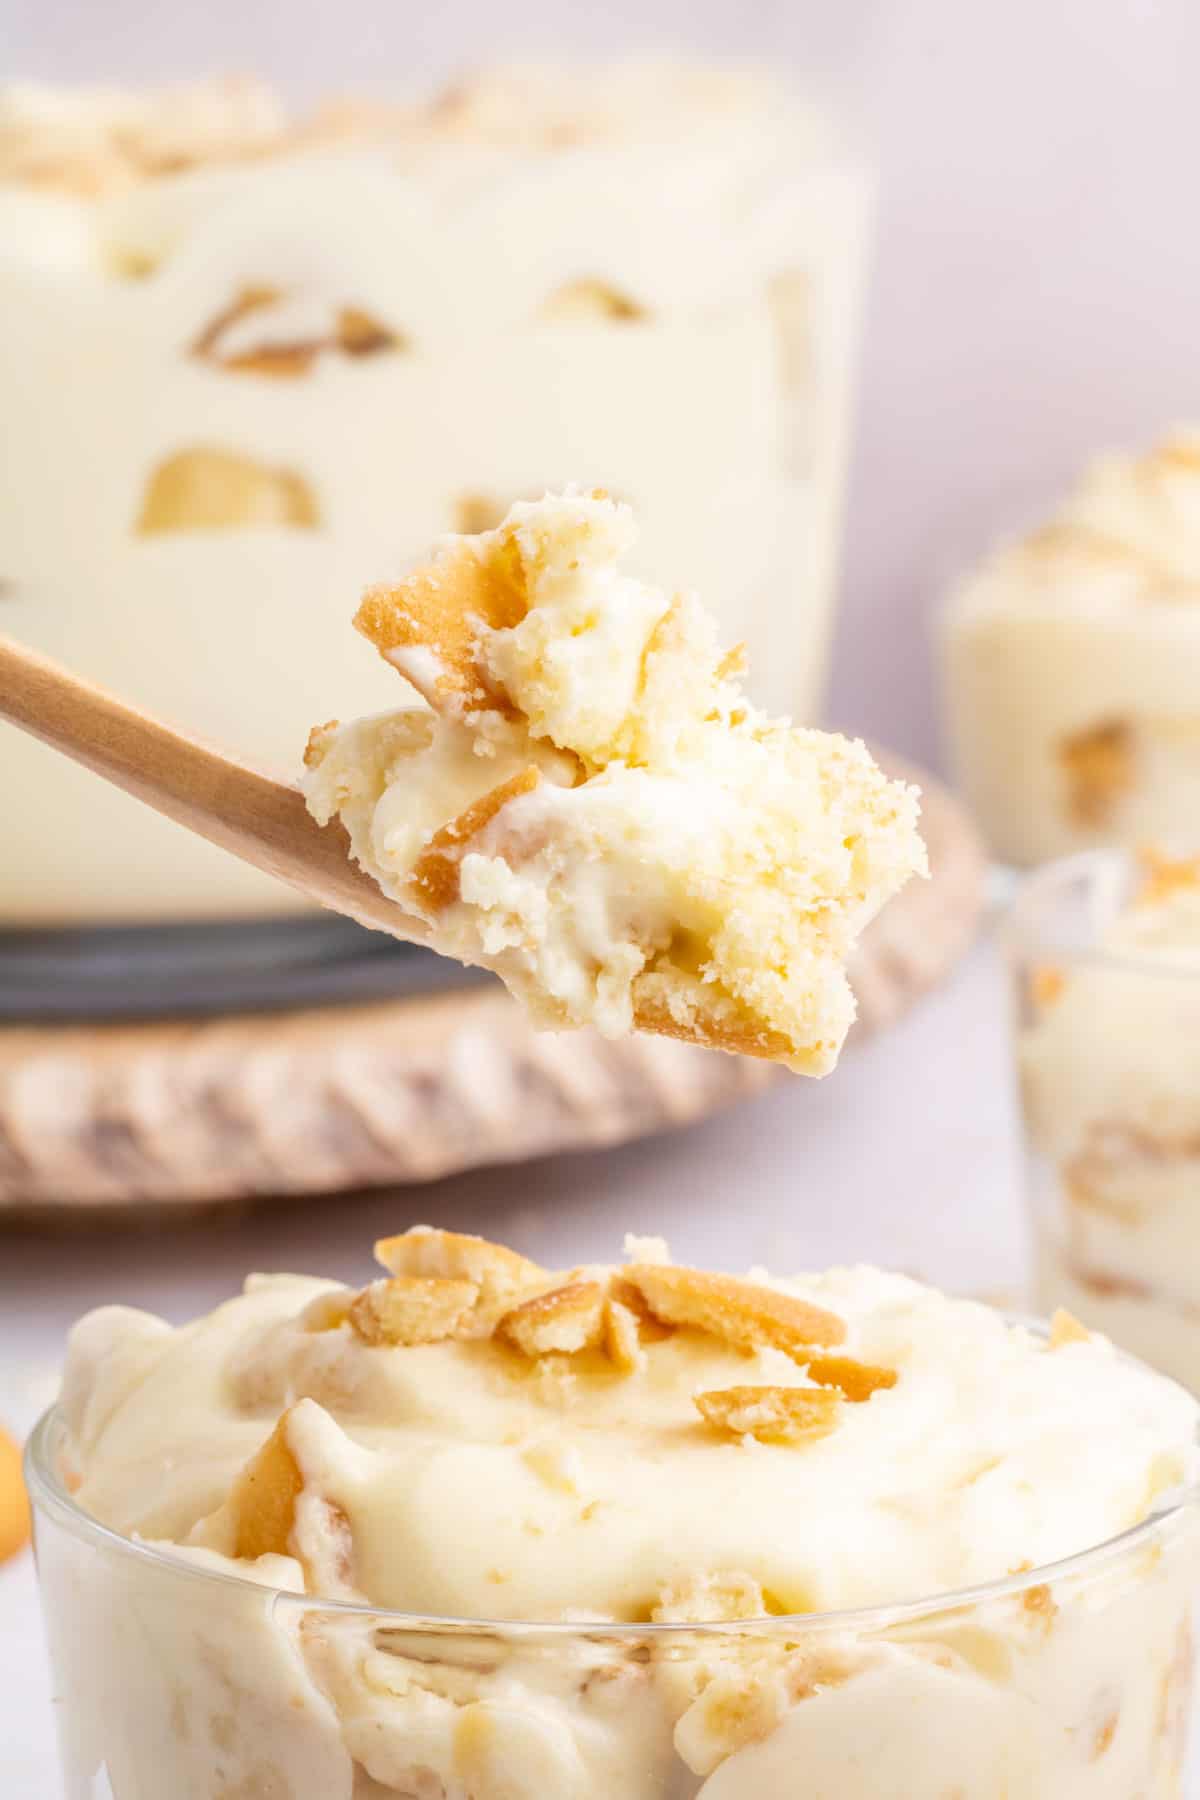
x=1105, y=953
x=561, y=1448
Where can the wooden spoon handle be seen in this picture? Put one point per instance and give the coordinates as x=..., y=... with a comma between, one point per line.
x=262, y=820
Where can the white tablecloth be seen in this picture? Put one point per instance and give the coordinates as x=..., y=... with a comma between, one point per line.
x=906, y=1157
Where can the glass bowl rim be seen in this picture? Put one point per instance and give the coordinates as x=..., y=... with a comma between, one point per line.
x=49, y=1496
x=1020, y=936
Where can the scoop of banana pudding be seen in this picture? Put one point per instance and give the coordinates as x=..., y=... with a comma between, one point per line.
x=588, y=805
x=605, y=1507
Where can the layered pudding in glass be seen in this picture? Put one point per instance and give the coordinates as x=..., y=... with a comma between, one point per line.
x=1109, y=1058
x=1071, y=662
x=480, y=1530
x=251, y=362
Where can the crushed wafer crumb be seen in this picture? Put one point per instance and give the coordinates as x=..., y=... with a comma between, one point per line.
x=742, y=1705
x=318, y=743
x=650, y=1328
x=697, y=1017
x=94, y=141
x=639, y=1249
x=411, y=1309
x=855, y=1381
x=428, y=626
x=591, y=299
x=621, y=1338
x=709, y=1599
x=1098, y=768
x=559, y=1465
x=503, y=1277
x=773, y=1415
x=563, y=1321
x=263, y=1498
x=1162, y=877
x=435, y=876
x=1065, y=1328
x=204, y=488
x=271, y=1510
x=352, y=331
x=110, y=140
x=742, y=1313
x=1040, y=1604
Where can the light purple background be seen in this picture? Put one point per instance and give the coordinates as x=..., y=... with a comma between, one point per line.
x=1037, y=284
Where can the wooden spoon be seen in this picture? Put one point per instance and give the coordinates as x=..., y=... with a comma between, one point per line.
x=262, y=820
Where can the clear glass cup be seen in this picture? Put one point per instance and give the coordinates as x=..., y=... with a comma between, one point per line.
x=1066, y=1682
x=245, y=389
x=1108, y=1056
x=1068, y=687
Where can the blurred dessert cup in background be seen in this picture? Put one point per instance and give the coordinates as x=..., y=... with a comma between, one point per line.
x=1071, y=666
x=1106, y=964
